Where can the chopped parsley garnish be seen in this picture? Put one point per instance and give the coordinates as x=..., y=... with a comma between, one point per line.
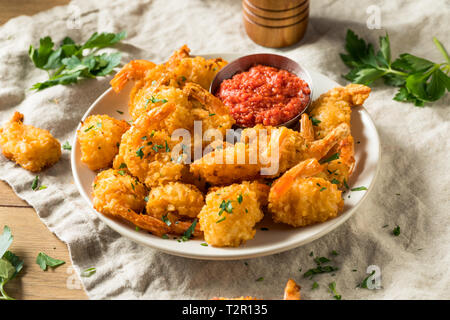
x=345, y=184
x=212, y=114
x=239, y=198
x=166, y=146
x=146, y=199
x=140, y=153
x=122, y=165
x=166, y=220
x=260, y=279
x=42, y=187
x=315, y=285
x=119, y=112
x=86, y=130
x=35, y=183
x=320, y=269
x=204, y=244
x=121, y=172
x=315, y=121
x=220, y=220
x=335, y=181
x=44, y=260
x=226, y=206
x=155, y=100
x=144, y=138
x=359, y=189
x=88, y=272
x=334, y=253
x=165, y=236
x=137, y=228
x=311, y=254
x=396, y=231
x=152, y=134
x=364, y=282
x=332, y=287
x=320, y=260
x=331, y=158
x=323, y=188
x=188, y=233
x=67, y=146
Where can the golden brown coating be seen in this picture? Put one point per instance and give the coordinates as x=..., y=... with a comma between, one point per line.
x=225, y=166
x=292, y=291
x=299, y=199
x=230, y=214
x=32, y=148
x=119, y=195
x=334, y=108
x=99, y=138
x=175, y=199
x=146, y=149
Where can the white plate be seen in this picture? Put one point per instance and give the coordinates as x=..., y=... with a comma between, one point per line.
x=279, y=237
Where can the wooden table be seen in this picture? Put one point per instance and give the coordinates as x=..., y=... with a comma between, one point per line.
x=31, y=235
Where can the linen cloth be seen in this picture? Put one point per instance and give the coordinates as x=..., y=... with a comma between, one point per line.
x=412, y=190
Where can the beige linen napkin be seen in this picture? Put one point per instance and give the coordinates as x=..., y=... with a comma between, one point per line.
x=412, y=190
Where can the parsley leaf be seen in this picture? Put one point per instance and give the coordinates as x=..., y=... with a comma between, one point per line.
x=10, y=264
x=188, y=233
x=396, y=231
x=332, y=287
x=67, y=146
x=88, y=272
x=71, y=62
x=419, y=80
x=330, y=158
x=44, y=260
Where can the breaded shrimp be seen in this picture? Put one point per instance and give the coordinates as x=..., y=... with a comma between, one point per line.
x=99, y=139
x=283, y=149
x=32, y=148
x=332, y=109
x=173, y=200
x=298, y=198
x=120, y=195
x=209, y=109
x=145, y=149
x=291, y=292
x=229, y=216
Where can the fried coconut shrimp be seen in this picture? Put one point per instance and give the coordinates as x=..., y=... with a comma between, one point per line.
x=336, y=171
x=230, y=214
x=145, y=149
x=283, y=149
x=176, y=72
x=32, y=148
x=291, y=292
x=299, y=198
x=120, y=195
x=173, y=200
x=99, y=139
x=332, y=109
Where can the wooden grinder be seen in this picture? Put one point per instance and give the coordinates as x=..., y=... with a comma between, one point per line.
x=275, y=23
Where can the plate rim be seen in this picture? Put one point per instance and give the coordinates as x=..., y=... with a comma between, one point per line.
x=124, y=230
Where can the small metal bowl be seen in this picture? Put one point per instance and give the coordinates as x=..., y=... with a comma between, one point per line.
x=244, y=63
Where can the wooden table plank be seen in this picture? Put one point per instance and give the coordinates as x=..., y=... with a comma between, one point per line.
x=8, y=198
x=13, y=8
x=31, y=236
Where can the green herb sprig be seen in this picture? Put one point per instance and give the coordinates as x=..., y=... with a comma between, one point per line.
x=10, y=264
x=71, y=62
x=419, y=80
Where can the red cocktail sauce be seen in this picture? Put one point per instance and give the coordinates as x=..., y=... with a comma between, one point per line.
x=264, y=95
